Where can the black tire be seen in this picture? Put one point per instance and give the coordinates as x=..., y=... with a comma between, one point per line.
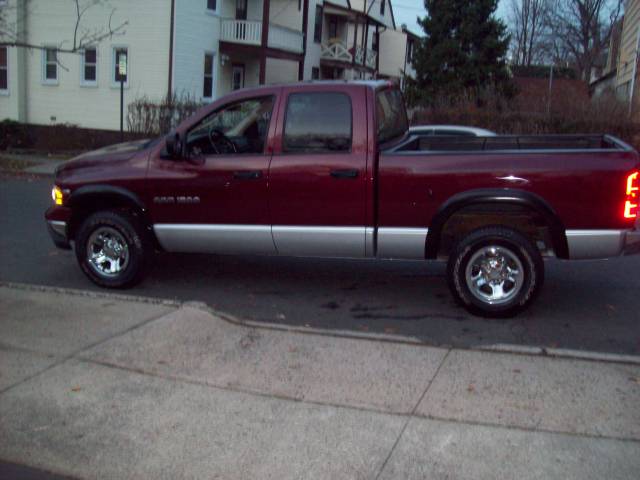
x=473, y=249
x=122, y=226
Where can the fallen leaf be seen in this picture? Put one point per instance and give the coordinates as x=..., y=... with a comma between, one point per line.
x=75, y=389
x=517, y=370
x=471, y=388
x=635, y=380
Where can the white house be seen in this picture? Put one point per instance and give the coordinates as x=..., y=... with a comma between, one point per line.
x=203, y=48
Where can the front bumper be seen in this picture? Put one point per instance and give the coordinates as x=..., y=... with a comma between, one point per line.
x=58, y=233
x=58, y=226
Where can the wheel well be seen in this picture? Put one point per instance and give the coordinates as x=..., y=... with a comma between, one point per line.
x=524, y=219
x=91, y=203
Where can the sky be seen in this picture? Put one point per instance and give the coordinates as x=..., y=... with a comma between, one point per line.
x=406, y=11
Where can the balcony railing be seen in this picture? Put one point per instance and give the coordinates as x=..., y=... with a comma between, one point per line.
x=336, y=51
x=249, y=32
x=367, y=55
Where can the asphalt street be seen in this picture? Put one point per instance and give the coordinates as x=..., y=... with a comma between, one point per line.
x=588, y=305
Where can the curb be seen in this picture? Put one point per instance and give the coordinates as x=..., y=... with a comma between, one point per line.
x=560, y=353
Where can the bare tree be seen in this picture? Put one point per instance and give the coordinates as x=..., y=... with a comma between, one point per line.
x=13, y=34
x=581, y=29
x=529, y=25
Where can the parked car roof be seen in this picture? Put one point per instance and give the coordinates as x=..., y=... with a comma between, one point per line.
x=452, y=130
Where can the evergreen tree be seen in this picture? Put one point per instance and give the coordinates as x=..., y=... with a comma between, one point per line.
x=464, y=50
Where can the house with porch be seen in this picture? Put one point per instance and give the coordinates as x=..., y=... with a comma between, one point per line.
x=200, y=48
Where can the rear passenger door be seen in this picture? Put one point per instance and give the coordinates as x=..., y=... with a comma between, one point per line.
x=317, y=176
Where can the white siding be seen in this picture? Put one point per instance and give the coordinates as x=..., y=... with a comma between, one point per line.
x=197, y=31
x=312, y=58
x=146, y=37
x=12, y=100
x=281, y=71
x=393, y=45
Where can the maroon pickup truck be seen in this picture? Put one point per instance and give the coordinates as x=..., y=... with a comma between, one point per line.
x=329, y=169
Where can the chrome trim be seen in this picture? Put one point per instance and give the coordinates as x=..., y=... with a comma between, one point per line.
x=224, y=239
x=369, y=242
x=320, y=241
x=591, y=244
x=406, y=243
x=59, y=227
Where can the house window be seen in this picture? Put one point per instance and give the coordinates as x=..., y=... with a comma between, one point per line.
x=50, y=66
x=4, y=69
x=89, y=68
x=237, y=77
x=333, y=27
x=317, y=30
x=317, y=123
x=410, y=51
x=315, y=73
x=211, y=5
x=118, y=53
x=374, y=42
x=382, y=3
x=207, y=90
x=299, y=5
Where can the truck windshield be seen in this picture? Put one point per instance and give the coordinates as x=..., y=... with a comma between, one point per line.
x=392, y=116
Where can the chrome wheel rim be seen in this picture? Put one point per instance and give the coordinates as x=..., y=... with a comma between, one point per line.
x=107, y=252
x=494, y=275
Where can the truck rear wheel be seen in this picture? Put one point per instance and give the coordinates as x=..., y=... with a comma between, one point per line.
x=112, y=249
x=495, y=272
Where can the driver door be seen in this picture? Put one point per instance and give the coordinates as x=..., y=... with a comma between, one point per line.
x=215, y=200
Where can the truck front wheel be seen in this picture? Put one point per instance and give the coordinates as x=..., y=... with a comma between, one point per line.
x=112, y=249
x=495, y=272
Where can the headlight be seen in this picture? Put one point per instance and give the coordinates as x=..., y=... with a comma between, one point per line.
x=57, y=195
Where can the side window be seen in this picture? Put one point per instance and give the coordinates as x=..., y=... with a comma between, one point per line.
x=317, y=122
x=238, y=128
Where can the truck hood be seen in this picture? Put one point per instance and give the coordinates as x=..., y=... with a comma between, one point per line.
x=111, y=155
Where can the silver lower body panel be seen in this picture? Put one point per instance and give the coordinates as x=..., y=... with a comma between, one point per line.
x=320, y=241
x=224, y=239
x=402, y=243
x=314, y=241
x=593, y=244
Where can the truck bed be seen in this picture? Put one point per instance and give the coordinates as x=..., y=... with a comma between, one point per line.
x=418, y=143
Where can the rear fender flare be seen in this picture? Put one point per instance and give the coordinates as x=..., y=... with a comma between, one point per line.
x=500, y=197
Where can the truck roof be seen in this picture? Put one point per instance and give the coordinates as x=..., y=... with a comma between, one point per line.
x=373, y=84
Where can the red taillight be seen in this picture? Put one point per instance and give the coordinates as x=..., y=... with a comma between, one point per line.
x=631, y=202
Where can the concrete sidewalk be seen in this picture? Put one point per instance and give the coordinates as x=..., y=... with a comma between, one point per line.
x=108, y=387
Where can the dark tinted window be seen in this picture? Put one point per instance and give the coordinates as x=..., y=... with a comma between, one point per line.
x=318, y=122
x=391, y=115
x=317, y=29
x=211, y=4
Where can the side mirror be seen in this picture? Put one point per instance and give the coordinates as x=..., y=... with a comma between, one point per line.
x=174, y=145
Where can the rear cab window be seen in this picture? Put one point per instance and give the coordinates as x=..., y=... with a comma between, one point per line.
x=318, y=122
x=391, y=115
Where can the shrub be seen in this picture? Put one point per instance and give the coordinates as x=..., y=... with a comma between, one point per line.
x=152, y=118
x=603, y=115
x=13, y=135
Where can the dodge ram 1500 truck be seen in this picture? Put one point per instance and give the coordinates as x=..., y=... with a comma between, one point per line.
x=330, y=169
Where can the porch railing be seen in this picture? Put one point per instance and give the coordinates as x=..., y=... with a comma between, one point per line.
x=335, y=51
x=249, y=32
